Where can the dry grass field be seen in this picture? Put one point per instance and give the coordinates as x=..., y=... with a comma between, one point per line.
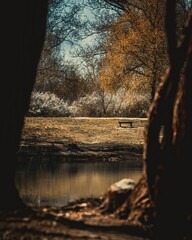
x=83, y=130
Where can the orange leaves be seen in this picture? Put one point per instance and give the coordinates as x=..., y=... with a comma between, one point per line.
x=135, y=47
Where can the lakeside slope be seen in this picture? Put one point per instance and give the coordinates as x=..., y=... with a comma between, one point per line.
x=82, y=139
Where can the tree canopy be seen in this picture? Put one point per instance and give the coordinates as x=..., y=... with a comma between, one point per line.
x=135, y=48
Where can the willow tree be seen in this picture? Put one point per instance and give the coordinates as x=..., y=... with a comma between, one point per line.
x=135, y=48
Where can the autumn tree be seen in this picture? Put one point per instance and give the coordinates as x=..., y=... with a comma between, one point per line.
x=135, y=48
x=131, y=67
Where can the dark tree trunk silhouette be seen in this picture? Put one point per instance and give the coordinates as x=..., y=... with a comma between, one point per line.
x=22, y=36
x=167, y=159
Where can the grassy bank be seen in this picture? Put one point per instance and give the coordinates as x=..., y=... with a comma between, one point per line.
x=83, y=130
x=82, y=139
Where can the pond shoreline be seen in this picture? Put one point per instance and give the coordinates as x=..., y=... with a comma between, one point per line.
x=80, y=152
x=79, y=219
x=84, y=140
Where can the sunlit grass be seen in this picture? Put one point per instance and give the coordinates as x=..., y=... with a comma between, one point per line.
x=83, y=130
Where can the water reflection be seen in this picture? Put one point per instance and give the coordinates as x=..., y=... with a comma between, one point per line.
x=57, y=184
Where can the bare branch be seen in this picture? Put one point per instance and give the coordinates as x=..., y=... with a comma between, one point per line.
x=117, y=4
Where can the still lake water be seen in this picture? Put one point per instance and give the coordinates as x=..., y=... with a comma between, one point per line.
x=56, y=185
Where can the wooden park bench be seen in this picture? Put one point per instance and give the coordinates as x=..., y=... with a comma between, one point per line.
x=130, y=123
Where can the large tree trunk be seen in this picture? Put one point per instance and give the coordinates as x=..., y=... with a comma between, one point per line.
x=22, y=36
x=162, y=197
x=167, y=158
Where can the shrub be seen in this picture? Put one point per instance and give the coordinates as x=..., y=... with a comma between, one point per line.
x=47, y=104
x=88, y=106
x=135, y=104
x=120, y=104
x=97, y=104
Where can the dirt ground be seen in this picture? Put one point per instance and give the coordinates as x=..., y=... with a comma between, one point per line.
x=78, y=221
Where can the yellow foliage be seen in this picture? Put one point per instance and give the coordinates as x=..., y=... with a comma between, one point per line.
x=135, y=48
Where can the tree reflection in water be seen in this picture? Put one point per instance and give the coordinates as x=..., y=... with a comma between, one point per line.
x=57, y=184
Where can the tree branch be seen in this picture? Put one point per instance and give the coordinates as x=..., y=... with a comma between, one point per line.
x=117, y=4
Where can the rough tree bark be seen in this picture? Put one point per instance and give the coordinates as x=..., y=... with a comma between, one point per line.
x=22, y=34
x=167, y=159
